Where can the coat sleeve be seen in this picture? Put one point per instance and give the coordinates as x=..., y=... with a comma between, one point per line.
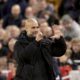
x=58, y=47
x=22, y=51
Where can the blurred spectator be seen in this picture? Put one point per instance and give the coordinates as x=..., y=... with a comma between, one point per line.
x=46, y=30
x=12, y=32
x=2, y=34
x=28, y=12
x=44, y=24
x=70, y=7
x=33, y=2
x=11, y=44
x=35, y=5
x=1, y=23
x=3, y=63
x=3, y=49
x=14, y=18
x=2, y=5
x=44, y=15
x=75, y=47
x=51, y=18
x=71, y=29
x=12, y=69
x=10, y=3
x=7, y=71
x=44, y=6
x=66, y=6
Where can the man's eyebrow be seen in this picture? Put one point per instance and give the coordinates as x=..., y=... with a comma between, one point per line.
x=35, y=27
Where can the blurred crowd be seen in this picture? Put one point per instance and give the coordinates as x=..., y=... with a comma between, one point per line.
x=66, y=19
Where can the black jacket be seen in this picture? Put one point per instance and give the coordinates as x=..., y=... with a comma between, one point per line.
x=10, y=20
x=35, y=58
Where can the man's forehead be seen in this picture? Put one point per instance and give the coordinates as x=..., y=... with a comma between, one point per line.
x=31, y=23
x=35, y=24
x=16, y=7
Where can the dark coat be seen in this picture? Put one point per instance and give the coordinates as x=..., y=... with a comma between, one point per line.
x=10, y=20
x=7, y=9
x=2, y=5
x=33, y=58
x=3, y=50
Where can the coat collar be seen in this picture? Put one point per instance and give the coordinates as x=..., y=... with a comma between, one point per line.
x=23, y=38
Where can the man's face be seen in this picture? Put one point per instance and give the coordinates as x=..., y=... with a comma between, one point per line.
x=29, y=12
x=43, y=4
x=67, y=25
x=47, y=31
x=32, y=2
x=76, y=47
x=2, y=34
x=15, y=10
x=33, y=29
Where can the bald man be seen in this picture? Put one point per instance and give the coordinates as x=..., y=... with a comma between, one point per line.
x=33, y=53
x=15, y=10
x=28, y=12
x=14, y=18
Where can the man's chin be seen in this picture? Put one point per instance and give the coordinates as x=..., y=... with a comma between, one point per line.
x=32, y=35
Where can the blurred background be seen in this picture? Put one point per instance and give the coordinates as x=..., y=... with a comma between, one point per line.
x=62, y=15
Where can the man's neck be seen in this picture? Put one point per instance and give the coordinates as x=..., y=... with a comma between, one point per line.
x=30, y=37
x=15, y=16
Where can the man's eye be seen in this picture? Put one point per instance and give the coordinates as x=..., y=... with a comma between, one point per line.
x=38, y=27
x=33, y=27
